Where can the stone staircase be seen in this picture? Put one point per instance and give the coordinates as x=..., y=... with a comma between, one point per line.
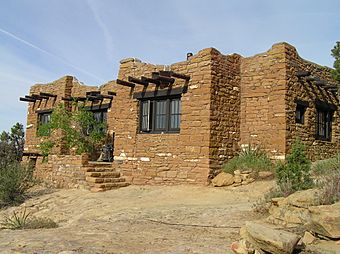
x=102, y=176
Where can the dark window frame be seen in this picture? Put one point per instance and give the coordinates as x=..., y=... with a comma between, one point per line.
x=43, y=114
x=324, y=119
x=103, y=117
x=150, y=126
x=300, y=113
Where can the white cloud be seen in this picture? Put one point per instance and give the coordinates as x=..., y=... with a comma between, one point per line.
x=107, y=35
x=50, y=54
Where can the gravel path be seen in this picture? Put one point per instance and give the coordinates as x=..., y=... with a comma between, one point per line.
x=136, y=219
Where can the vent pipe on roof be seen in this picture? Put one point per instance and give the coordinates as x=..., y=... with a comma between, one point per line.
x=189, y=55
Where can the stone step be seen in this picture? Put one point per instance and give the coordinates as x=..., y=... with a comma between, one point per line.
x=98, y=187
x=104, y=179
x=108, y=174
x=100, y=169
x=99, y=164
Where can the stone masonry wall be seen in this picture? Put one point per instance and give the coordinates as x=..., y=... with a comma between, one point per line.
x=62, y=88
x=231, y=102
x=62, y=171
x=263, y=88
x=308, y=91
x=225, y=109
x=165, y=158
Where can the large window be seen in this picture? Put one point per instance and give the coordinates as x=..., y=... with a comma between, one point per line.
x=160, y=115
x=324, y=124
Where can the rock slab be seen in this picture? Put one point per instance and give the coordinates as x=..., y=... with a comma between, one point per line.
x=223, y=179
x=325, y=220
x=267, y=238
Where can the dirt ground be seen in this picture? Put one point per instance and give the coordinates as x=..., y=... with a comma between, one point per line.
x=136, y=219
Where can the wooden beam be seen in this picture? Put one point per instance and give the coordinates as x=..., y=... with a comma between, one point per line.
x=300, y=74
x=320, y=82
x=151, y=80
x=162, y=79
x=39, y=97
x=112, y=93
x=93, y=98
x=137, y=81
x=26, y=99
x=31, y=97
x=333, y=89
x=93, y=93
x=125, y=83
x=107, y=96
x=79, y=99
x=181, y=76
x=165, y=73
x=330, y=86
x=311, y=78
x=31, y=154
x=166, y=79
x=48, y=94
x=67, y=98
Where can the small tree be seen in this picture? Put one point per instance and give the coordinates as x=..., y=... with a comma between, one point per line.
x=77, y=130
x=336, y=54
x=12, y=145
x=296, y=170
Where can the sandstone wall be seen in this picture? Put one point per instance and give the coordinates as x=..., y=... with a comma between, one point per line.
x=62, y=171
x=263, y=89
x=166, y=157
x=308, y=91
x=224, y=109
x=62, y=88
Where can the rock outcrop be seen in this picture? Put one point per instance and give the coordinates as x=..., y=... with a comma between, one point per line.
x=318, y=227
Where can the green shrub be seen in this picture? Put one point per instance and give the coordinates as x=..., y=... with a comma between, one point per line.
x=24, y=220
x=80, y=130
x=295, y=172
x=249, y=159
x=324, y=167
x=15, y=180
x=330, y=188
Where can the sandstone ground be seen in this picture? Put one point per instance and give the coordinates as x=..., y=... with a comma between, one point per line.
x=137, y=219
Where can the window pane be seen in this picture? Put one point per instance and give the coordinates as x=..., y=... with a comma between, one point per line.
x=175, y=111
x=174, y=122
x=160, y=115
x=145, y=115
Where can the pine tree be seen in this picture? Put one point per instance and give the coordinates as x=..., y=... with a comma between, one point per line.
x=336, y=54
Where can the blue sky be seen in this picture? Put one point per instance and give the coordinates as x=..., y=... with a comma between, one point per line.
x=41, y=41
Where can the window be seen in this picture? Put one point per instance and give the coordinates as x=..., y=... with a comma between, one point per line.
x=44, y=117
x=159, y=115
x=300, y=110
x=324, y=124
x=100, y=116
x=300, y=113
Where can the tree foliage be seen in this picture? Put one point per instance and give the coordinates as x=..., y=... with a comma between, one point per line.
x=15, y=179
x=336, y=54
x=77, y=130
x=12, y=145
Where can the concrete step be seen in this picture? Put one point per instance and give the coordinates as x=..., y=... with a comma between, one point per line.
x=109, y=174
x=104, y=179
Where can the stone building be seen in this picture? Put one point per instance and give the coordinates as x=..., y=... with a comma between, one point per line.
x=181, y=123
